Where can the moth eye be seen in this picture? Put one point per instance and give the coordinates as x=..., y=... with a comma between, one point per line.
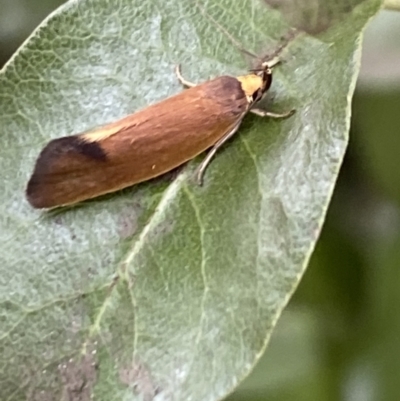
x=257, y=95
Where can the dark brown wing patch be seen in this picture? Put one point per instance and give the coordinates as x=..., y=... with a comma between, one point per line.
x=66, y=146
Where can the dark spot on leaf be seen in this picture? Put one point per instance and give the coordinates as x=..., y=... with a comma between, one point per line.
x=78, y=377
x=139, y=379
x=128, y=220
x=40, y=395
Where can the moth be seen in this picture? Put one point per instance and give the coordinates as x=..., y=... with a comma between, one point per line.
x=150, y=142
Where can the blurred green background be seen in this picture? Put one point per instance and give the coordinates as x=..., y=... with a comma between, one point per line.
x=339, y=337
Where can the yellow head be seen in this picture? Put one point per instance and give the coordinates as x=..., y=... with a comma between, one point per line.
x=255, y=85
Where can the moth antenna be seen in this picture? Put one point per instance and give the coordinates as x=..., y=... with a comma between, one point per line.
x=231, y=38
x=286, y=39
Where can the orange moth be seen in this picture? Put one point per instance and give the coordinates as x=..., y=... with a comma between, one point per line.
x=149, y=142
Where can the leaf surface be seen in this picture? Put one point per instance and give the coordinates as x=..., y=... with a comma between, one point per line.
x=165, y=290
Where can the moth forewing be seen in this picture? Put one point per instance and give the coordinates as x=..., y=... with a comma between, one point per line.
x=138, y=147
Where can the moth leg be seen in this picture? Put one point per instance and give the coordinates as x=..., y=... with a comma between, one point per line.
x=182, y=80
x=202, y=167
x=263, y=113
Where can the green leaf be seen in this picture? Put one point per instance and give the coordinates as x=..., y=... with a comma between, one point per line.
x=166, y=289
